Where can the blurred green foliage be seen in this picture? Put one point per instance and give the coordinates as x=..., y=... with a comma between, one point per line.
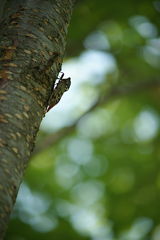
x=101, y=181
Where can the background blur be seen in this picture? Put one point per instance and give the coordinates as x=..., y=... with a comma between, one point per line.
x=94, y=173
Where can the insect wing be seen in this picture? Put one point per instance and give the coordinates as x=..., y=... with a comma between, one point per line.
x=68, y=83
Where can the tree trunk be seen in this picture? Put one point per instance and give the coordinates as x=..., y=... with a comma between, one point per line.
x=32, y=42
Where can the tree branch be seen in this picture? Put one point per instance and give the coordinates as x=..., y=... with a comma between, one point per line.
x=115, y=92
x=32, y=44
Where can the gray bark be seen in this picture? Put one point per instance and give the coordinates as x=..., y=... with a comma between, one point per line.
x=32, y=42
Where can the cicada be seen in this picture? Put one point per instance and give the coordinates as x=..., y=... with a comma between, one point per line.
x=62, y=86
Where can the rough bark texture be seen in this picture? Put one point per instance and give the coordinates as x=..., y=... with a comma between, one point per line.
x=32, y=42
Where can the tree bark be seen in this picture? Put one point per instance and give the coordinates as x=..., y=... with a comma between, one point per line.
x=32, y=43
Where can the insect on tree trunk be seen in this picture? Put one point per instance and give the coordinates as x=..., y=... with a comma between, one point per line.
x=32, y=42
